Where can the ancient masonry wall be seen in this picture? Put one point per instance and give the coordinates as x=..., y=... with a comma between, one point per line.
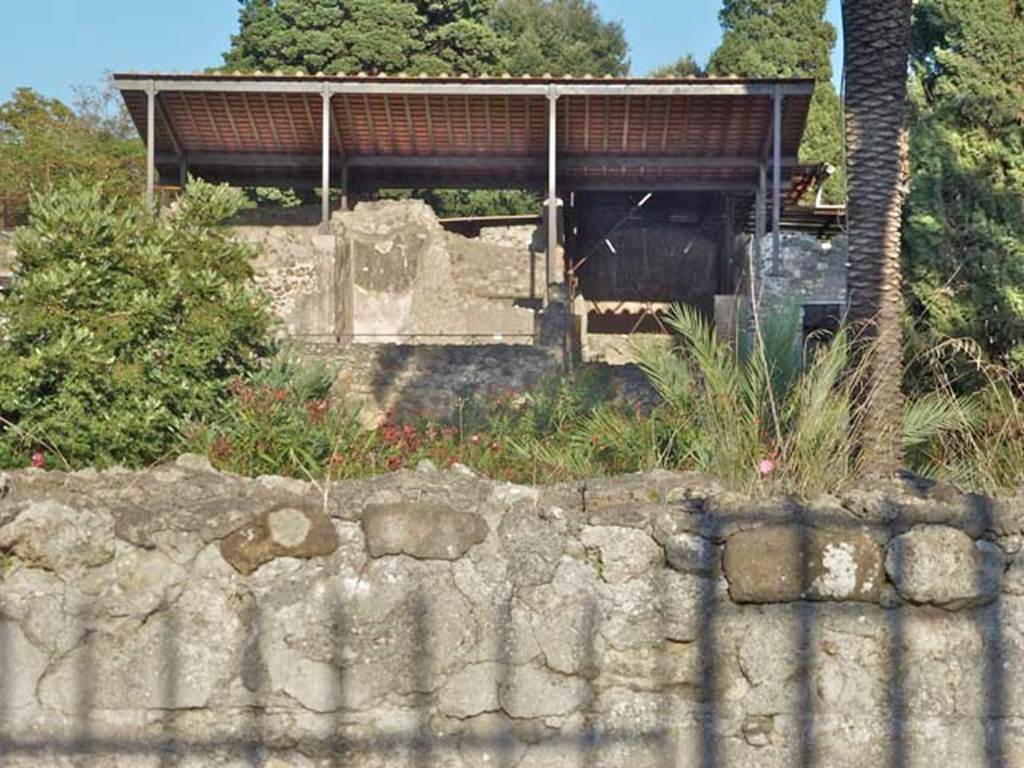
x=811, y=271
x=389, y=273
x=183, y=617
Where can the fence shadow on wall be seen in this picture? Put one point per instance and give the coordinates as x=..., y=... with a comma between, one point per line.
x=589, y=745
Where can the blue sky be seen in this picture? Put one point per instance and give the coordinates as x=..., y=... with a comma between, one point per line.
x=53, y=45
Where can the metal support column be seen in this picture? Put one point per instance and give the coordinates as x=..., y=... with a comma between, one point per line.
x=183, y=173
x=777, y=184
x=325, y=163
x=552, y=198
x=151, y=145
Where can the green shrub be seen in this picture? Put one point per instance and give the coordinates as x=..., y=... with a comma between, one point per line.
x=121, y=327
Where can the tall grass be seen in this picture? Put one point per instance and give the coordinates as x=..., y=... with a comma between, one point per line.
x=765, y=415
x=970, y=435
x=771, y=416
x=768, y=415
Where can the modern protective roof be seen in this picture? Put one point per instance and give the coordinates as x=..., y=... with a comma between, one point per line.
x=700, y=133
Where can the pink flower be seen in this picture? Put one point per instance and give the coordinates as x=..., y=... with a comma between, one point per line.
x=475, y=439
x=766, y=467
x=38, y=460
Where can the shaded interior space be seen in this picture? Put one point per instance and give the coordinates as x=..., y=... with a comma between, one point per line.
x=631, y=256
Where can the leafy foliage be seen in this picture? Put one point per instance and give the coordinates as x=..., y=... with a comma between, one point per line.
x=964, y=220
x=283, y=420
x=789, y=38
x=287, y=421
x=758, y=418
x=43, y=142
x=432, y=36
x=684, y=66
x=373, y=36
x=119, y=327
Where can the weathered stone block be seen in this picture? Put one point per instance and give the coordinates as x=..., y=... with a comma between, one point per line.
x=689, y=553
x=943, y=566
x=622, y=553
x=47, y=534
x=426, y=532
x=777, y=564
x=281, y=532
x=532, y=692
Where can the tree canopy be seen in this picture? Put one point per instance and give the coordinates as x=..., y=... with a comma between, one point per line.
x=964, y=231
x=44, y=141
x=560, y=37
x=788, y=38
x=374, y=36
x=433, y=36
x=684, y=66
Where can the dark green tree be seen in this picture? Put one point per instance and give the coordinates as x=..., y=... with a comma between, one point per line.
x=788, y=38
x=560, y=37
x=964, y=222
x=374, y=36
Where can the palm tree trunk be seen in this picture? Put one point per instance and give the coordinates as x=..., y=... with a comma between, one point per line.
x=877, y=51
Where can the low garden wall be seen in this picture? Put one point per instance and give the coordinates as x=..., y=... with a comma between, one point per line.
x=183, y=617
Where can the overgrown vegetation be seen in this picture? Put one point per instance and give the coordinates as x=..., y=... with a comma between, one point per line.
x=129, y=338
x=286, y=420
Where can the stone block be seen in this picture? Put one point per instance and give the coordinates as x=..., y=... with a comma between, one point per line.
x=47, y=534
x=787, y=563
x=940, y=565
x=423, y=531
x=284, y=531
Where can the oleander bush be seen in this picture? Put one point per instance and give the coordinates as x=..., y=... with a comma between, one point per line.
x=121, y=327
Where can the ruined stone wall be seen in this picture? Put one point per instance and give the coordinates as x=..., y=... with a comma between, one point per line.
x=295, y=267
x=389, y=273
x=181, y=617
x=403, y=278
x=415, y=380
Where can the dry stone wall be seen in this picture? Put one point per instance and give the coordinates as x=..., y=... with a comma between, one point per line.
x=183, y=617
